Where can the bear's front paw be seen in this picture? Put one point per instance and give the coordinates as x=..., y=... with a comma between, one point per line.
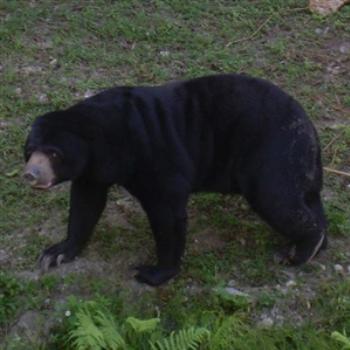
x=155, y=275
x=56, y=254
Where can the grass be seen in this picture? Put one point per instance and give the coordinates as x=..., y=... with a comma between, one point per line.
x=55, y=52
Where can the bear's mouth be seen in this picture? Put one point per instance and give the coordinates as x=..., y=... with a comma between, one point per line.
x=38, y=172
x=40, y=186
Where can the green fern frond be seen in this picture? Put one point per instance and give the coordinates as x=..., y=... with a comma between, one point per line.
x=342, y=338
x=142, y=326
x=95, y=330
x=108, y=327
x=86, y=335
x=186, y=339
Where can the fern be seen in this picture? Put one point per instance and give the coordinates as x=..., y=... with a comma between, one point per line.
x=142, y=326
x=108, y=328
x=342, y=338
x=95, y=331
x=188, y=339
x=85, y=335
x=94, y=328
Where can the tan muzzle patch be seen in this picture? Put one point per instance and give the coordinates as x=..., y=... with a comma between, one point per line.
x=38, y=171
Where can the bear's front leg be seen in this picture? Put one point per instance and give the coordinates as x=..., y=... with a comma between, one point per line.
x=87, y=201
x=168, y=222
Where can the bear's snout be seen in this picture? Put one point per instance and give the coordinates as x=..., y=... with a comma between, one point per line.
x=38, y=171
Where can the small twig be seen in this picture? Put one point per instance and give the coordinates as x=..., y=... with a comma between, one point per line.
x=281, y=14
x=332, y=141
x=338, y=172
x=296, y=9
x=252, y=35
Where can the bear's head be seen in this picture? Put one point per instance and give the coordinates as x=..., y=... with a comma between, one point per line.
x=54, y=151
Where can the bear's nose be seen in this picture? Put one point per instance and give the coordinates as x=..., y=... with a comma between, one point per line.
x=31, y=175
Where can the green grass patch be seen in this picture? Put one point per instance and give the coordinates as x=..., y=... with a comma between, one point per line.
x=54, y=52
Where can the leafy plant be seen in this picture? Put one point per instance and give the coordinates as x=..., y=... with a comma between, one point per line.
x=142, y=326
x=235, y=333
x=342, y=338
x=95, y=328
x=10, y=290
x=233, y=302
x=188, y=339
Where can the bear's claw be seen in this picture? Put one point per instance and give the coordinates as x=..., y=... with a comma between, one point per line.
x=55, y=256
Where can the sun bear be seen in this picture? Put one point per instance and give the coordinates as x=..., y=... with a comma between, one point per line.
x=226, y=133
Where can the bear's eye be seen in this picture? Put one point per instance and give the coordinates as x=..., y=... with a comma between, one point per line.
x=29, y=150
x=54, y=155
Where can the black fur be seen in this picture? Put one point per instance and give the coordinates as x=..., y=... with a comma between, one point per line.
x=225, y=133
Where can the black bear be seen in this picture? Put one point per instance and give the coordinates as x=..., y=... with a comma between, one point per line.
x=224, y=133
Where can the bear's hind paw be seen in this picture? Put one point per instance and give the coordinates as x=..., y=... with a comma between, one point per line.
x=155, y=275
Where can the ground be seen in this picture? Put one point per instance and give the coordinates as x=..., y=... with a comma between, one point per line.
x=54, y=53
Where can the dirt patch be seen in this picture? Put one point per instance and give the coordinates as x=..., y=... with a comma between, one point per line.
x=206, y=240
